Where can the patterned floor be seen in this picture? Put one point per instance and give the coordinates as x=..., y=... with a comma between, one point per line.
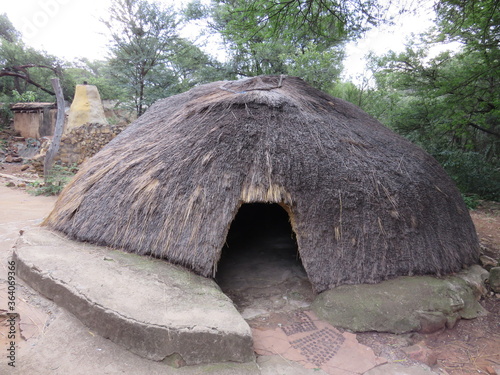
x=305, y=339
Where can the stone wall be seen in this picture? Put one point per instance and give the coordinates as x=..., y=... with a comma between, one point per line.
x=85, y=141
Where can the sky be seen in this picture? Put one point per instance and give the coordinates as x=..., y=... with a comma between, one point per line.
x=70, y=29
x=64, y=28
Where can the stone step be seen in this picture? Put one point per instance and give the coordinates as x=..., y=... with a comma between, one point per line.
x=152, y=308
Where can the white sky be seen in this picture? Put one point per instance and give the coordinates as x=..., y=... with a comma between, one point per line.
x=71, y=28
x=64, y=28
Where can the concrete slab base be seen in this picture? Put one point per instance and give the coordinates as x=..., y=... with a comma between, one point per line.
x=154, y=309
x=69, y=347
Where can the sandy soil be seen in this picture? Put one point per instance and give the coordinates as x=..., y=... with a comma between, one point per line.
x=487, y=221
x=20, y=210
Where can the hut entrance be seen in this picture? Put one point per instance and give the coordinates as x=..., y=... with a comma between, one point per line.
x=260, y=268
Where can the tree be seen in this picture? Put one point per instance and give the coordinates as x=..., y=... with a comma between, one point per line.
x=296, y=37
x=322, y=22
x=143, y=35
x=23, y=68
x=475, y=23
x=22, y=72
x=450, y=103
x=190, y=66
x=7, y=30
x=98, y=73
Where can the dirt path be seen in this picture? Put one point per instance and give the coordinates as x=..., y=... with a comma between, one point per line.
x=18, y=211
x=487, y=221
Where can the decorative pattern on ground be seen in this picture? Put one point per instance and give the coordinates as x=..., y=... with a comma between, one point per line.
x=319, y=347
x=300, y=322
x=303, y=338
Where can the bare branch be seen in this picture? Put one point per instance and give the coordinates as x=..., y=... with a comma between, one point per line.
x=20, y=72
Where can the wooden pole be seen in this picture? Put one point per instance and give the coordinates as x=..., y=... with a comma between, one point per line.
x=58, y=131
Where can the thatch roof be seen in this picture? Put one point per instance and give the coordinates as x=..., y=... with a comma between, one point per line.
x=32, y=106
x=365, y=204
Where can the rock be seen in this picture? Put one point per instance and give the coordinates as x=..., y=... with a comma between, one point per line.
x=273, y=365
x=494, y=279
x=493, y=370
x=404, y=304
x=21, y=185
x=397, y=369
x=25, y=167
x=13, y=159
x=488, y=262
x=10, y=184
x=419, y=352
x=174, y=360
x=476, y=277
x=150, y=307
x=452, y=320
x=432, y=321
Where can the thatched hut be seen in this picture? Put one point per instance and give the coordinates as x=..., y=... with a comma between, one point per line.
x=365, y=204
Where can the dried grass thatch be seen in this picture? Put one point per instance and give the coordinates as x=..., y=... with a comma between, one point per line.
x=364, y=203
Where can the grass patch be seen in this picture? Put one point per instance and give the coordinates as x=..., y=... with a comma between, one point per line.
x=55, y=183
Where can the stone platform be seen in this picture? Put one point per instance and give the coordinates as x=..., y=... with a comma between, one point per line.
x=154, y=309
x=168, y=315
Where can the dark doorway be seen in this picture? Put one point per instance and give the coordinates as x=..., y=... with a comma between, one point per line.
x=260, y=268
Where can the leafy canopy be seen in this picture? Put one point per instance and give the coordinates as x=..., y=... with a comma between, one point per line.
x=449, y=103
x=142, y=36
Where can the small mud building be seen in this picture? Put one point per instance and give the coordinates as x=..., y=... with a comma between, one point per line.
x=34, y=120
x=364, y=203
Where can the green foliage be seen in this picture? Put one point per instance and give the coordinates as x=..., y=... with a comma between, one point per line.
x=7, y=31
x=24, y=68
x=450, y=103
x=25, y=73
x=98, y=73
x=25, y=97
x=143, y=35
x=5, y=112
x=450, y=106
x=6, y=101
x=471, y=201
x=150, y=61
x=472, y=173
x=475, y=23
x=378, y=103
x=320, y=68
x=301, y=37
x=187, y=67
x=55, y=183
x=296, y=22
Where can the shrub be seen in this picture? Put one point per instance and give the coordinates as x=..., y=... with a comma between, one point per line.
x=55, y=183
x=473, y=174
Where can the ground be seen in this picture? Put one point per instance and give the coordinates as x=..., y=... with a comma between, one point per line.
x=471, y=347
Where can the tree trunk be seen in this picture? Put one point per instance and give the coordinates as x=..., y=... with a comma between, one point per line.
x=56, y=140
